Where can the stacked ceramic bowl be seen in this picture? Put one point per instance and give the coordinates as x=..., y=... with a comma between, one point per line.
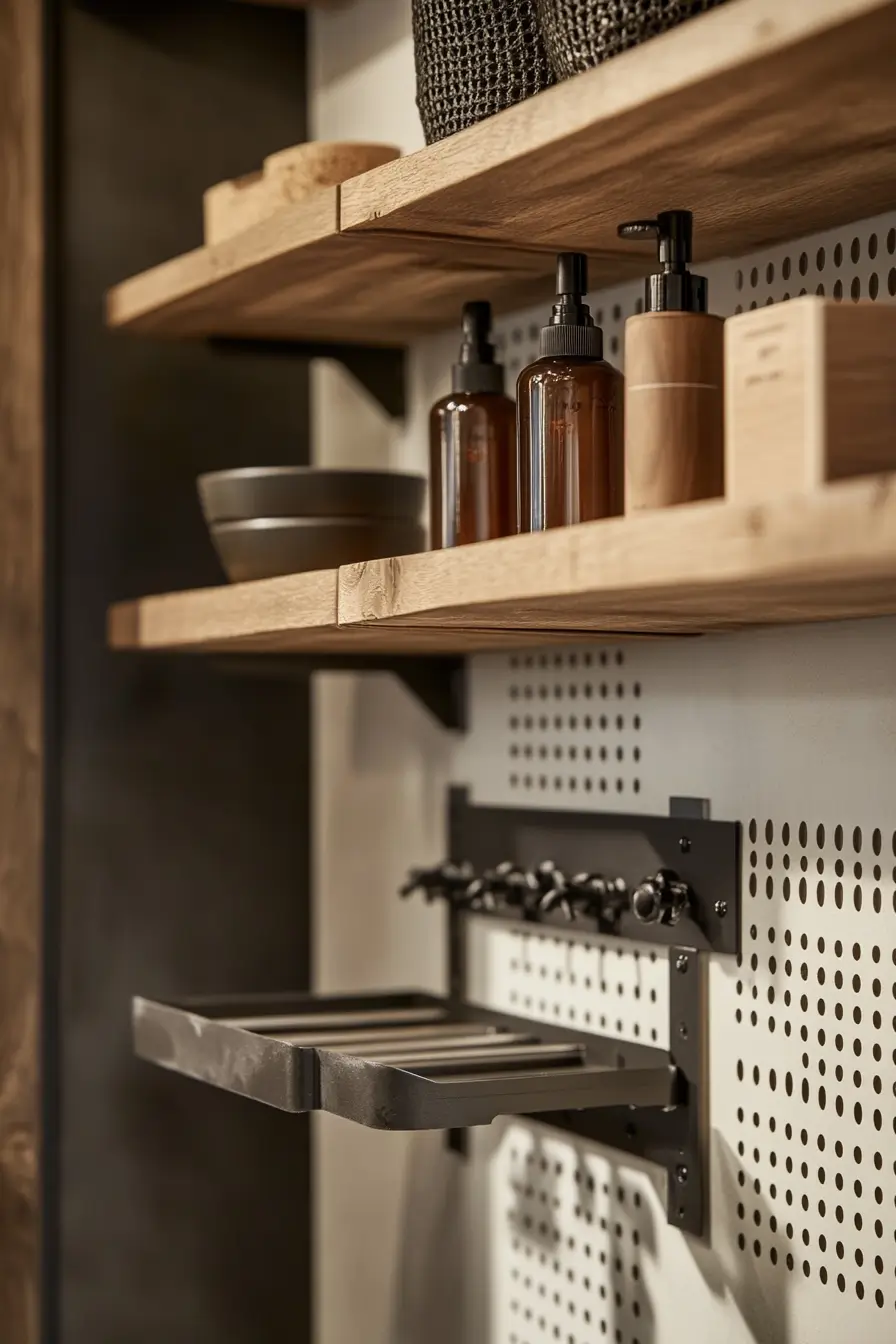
x=281, y=520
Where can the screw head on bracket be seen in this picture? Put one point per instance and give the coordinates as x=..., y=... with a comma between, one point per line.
x=661, y=899
x=721, y=909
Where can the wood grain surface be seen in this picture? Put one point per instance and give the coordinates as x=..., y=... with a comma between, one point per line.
x=674, y=412
x=293, y=614
x=285, y=178
x=819, y=556
x=255, y=615
x=21, y=446
x=768, y=120
x=737, y=114
x=685, y=569
x=810, y=390
x=295, y=276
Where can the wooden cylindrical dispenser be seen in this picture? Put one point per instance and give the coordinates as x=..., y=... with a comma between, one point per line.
x=674, y=365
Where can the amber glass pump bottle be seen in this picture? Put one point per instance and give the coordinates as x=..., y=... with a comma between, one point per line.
x=472, y=481
x=569, y=415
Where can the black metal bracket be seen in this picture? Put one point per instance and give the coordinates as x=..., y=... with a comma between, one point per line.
x=706, y=856
x=672, y=1138
x=437, y=681
x=379, y=369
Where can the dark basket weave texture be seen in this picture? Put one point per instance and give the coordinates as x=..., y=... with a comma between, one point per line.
x=579, y=34
x=473, y=58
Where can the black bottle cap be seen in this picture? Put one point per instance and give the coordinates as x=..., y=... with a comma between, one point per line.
x=674, y=289
x=571, y=330
x=476, y=370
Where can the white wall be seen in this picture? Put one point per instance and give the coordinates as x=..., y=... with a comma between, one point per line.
x=387, y=1206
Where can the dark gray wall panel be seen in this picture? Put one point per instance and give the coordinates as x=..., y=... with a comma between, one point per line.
x=183, y=853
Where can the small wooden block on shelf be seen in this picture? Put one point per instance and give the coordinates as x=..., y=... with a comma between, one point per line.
x=285, y=178
x=810, y=396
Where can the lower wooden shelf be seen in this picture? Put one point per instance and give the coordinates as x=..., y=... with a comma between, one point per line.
x=827, y=555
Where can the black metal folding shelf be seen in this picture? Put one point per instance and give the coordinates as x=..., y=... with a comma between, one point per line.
x=397, y=1061
x=407, y=1060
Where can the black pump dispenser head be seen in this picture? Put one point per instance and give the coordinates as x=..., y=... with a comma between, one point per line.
x=674, y=289
x=571, y=330
x=476, y=370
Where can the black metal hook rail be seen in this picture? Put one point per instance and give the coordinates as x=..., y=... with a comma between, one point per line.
x=666, y=880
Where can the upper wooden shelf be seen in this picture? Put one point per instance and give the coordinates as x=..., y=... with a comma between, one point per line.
x=767, y=119
x=700, y=567
x=296, y=276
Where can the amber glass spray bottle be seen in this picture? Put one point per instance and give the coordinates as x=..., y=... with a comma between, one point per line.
x=569, y=415
x=472, y=481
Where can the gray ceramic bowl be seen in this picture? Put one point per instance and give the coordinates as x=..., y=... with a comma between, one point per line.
x=309, y=492
x=260, y=548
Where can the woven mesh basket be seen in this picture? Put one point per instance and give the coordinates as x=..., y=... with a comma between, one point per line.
x=581, y=33
x=473, y=58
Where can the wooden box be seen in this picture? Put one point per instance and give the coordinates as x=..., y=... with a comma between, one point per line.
x=810, y=396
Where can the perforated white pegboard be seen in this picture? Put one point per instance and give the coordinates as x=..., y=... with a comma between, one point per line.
x=789, y=731
x=852, y=263
x=566, y=724
x=604, y=985
x=792, y=732
x=572, y=1248
x=812, y=1054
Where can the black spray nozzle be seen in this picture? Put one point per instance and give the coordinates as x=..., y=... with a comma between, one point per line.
x=674, y=232
x=570, y=307
x=674, y=288
x=476, y=369
x=476, y=326
x=572, y=273
x=571, y=329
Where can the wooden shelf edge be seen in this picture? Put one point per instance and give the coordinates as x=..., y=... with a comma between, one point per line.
x=810, y=557
x=163, y=296
x=293, y=614
x=239, y=615
x=825, y=556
